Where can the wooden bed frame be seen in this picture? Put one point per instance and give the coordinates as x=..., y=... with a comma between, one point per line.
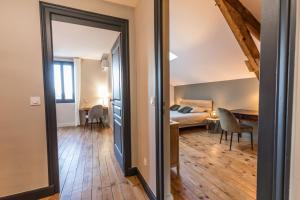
x=207, y=104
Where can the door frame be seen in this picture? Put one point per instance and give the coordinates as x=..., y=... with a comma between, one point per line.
x=49, y=12
x=276, y=98
x=159, y=98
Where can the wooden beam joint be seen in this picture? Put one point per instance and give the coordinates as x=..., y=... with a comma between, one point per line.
x=252, y=23
x=238, y=25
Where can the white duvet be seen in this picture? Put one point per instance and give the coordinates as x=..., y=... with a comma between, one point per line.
x=188, y=118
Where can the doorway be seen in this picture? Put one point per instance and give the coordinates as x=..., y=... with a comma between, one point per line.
x=213, y=161
x=120, y=99
x=275, y=97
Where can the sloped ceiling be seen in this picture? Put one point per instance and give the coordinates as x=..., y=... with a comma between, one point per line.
x=206, y=47
x=72, y=40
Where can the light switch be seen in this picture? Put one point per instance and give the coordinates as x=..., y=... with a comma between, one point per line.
x=35, y=101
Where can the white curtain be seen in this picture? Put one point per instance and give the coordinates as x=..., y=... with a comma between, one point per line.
x=77, y=77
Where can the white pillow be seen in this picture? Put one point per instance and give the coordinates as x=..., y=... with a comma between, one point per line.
x=198, y=110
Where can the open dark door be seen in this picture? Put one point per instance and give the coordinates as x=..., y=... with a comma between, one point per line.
x=117, y=102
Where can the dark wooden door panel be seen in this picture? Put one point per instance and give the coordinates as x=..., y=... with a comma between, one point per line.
x=117, y=103
x=117, y=111
x=118, y=138
x=117, y=90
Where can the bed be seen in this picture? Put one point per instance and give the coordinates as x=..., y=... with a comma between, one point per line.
x=193, y=118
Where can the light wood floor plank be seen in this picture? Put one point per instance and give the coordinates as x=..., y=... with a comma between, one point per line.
x=67, y=185
x=89, y=170
x=210, y=171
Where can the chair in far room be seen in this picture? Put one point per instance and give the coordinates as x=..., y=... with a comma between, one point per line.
x=232, y=125
x=94, y=116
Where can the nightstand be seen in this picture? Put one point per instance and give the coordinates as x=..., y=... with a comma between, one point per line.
x=213, y=124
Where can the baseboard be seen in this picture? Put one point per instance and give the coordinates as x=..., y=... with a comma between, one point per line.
x=48, y=191
x=61, y=125
x=131, y=171
x=169, y=197
x=146, y=187
x=31, y=195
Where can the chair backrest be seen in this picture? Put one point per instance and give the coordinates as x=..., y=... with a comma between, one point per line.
x=96, y=112
x=228, y=121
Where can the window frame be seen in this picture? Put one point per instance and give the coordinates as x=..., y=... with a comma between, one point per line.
x=63, y=99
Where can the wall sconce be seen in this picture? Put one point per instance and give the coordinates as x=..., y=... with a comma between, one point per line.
x=105, y=62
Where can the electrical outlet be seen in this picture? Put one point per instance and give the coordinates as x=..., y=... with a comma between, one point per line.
x=145, y=162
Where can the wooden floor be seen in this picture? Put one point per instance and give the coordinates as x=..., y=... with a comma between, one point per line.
x=89, y=170
x=210, y=171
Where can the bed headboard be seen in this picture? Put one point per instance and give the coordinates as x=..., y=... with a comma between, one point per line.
x=207, y=104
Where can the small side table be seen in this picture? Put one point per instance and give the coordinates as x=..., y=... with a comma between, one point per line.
x=213, y=124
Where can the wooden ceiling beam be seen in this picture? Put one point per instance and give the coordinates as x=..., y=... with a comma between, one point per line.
x=251, y=68
x=240, y=30
x=252, y=23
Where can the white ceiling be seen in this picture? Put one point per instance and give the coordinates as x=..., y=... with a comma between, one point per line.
x=131, y=3
x=72, y=40
x=206, y=47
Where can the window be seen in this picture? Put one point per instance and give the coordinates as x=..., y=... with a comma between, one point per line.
x=64, y=81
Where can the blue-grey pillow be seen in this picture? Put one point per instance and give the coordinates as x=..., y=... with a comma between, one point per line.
x=175, y=107
x=185, y=109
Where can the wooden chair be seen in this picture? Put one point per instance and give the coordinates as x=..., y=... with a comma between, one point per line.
x=95, y=114
x=230, y=124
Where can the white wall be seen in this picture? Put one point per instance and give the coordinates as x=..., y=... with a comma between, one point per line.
x=295, y=154
x=233, y=94
x=145, y=61
x=23, y=149
x=172, y=96
x=94, y=90
x=65, y=114
x=95, y=86
x=94, y=82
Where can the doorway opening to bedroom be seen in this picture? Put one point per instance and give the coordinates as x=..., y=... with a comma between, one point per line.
x=87, y=101
x=83, y=72
x=214, y=98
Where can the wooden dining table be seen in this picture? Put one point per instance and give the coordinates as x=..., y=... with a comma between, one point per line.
x=245, y=114
x=86, y=109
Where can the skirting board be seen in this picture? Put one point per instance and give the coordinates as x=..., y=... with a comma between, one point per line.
x=47, y=191
x=61, y=125
x=146, y=187
x=31, y=195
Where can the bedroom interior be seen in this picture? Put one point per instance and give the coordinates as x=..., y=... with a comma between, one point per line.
x=88, y=82
x=84, y=89
x=214, y=98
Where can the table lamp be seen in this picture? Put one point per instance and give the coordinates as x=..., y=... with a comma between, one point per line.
x=213, y=114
